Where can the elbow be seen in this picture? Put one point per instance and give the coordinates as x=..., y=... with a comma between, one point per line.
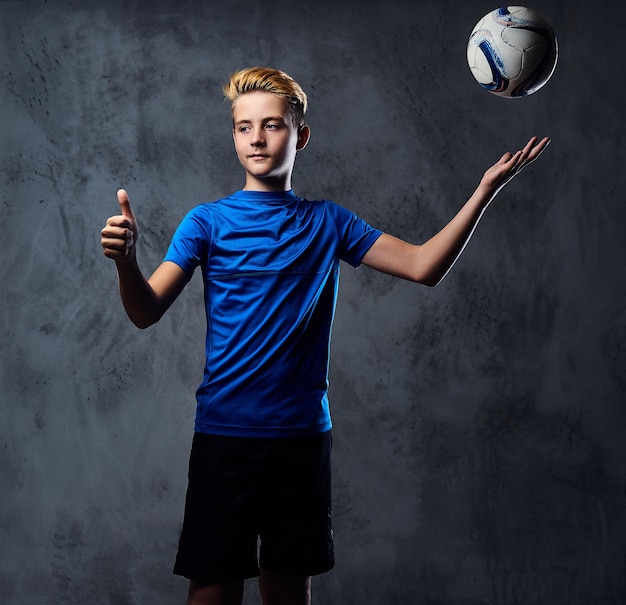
x=143, y=321
x=430, y=279
x=434, y=275
x=142, y=325
x=426, y=271
x=431, y=282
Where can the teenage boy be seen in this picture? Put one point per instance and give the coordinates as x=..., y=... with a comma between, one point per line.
x=260, y=460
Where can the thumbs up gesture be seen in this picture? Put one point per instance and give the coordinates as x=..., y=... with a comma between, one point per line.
x=120, y=232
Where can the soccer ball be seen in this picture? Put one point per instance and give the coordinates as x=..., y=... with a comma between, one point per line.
x=512, y=51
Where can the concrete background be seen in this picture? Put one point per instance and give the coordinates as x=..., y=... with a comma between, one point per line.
x=479, y=427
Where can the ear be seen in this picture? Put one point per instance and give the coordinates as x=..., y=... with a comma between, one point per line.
x=304, y=134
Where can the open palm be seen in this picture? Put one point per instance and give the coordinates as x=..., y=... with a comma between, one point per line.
x=511, y=164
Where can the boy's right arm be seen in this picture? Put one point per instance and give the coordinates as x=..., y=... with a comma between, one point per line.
x=145, y=300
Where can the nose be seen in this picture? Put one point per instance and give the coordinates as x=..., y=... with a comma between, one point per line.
x=257, y=139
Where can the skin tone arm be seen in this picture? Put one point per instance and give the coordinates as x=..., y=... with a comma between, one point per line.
x=145, y=300
x=429, y=263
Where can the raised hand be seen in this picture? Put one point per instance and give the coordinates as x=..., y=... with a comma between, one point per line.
x=510, y=164
x=120, y=232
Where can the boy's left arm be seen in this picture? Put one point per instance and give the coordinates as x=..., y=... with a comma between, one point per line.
x=429, y=263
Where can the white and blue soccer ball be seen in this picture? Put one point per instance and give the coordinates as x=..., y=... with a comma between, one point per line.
x=512, y=51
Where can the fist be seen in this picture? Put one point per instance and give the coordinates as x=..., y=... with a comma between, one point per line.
x=120, y=232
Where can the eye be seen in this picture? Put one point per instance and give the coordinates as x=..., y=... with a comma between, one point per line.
x=244, y=128
x=274, y=125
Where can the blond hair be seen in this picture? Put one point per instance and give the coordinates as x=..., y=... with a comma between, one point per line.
x=268, y=80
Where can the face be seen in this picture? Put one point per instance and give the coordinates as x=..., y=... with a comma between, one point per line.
x=266, y=140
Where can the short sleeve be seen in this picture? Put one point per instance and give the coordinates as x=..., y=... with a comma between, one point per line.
x=356, y=235
x=190, y=241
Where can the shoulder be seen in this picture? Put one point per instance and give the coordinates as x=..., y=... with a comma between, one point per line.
x=205, y=210
x=211, y=206
x=340, y=213
x=323, y=205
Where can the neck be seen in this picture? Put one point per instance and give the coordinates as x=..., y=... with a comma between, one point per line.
x=271, y=184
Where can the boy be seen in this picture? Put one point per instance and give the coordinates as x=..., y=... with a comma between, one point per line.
x=260, y=459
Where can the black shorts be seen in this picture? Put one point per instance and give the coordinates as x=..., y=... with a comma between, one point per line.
x=245, y=492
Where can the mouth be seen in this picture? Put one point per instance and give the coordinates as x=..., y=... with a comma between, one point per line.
x=258, y=156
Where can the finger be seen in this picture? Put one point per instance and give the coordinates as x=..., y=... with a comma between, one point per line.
x=119, y=231
x=117, y=237
x=524, y=153
x=114, y=248
x=529, y=145
x=124, y=202
x=538, y=149
x=510, y=160
x=116, y=245
x=506, y=158
x=119, y=221
x=532, y=151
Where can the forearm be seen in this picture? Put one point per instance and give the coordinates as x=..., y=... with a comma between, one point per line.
x=438, y=255
x=428, y=263
x=145, y=300
x=138, y=297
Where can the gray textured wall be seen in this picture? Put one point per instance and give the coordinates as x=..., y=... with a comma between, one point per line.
x=479, y=426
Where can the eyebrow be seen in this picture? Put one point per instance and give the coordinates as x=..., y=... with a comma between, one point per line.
x=268, y=119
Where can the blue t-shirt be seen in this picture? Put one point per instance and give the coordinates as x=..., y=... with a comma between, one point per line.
x=270, y=264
